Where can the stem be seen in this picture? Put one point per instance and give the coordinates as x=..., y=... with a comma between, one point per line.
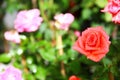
x=95, y=79
x=59, y=38
x=52, y=27
x=51, y=2
x=6, y=46
x=114, y=34
x=24, y=64
x=41, y=6
x=110, y=75
x=43, y=14
x=34, y=3
x=60, y=46
x=32, y=40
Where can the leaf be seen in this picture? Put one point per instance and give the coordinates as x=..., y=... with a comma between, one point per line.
x=5, y=58
x=108, y=17
x=101, y=3
x=75, y=67
x=86, y=13
x=87, y=3
x=29, y=60
x=47, y=55
x=41, y=73
x=28, y=76
x=72, y=54
x=48, y=34
x=107, y=62
x=75, y=24
x=33, y=68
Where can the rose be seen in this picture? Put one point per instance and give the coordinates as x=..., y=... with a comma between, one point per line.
x=11, y=73
x=12, y=36
x=116, y=18
x=117, y=2
x=93, y=43
x=28, y=21
x=112, y=7
x=63, y=21
x=73, y=77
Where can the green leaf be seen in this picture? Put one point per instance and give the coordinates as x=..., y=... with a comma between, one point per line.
x=108, y=29
x=87, y=3
x=33, y=68
x=63, y=57
x=5, y=58
x=72, y=54
x=75, y=66
x=75, y=25
x=86, y=13
x=41, y=73
x=29, y=60
x=107, y=62
x=48, y=34
x=101, y=3
x=47, y=55
x=108, y=17
x=28, y=76
x=43, y=28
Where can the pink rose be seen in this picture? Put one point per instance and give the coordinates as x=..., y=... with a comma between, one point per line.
x=12, y=36
x=77, y=33
x=28, y=21
x=74, y=78
x=112, y=7
x=11, y=73
x=117, y=2
x=93, y=43
x=63, y=21
x=116, y=18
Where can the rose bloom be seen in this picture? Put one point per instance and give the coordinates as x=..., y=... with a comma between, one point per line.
x=28, y=21
x=111, y=8
x=11, y=73
x=116, y=18
x=74, y=78
x=117, y=2
x=12, y=36
x=63, y=21
x=93, y=43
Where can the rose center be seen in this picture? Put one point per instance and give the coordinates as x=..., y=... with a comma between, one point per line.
x=91, y=40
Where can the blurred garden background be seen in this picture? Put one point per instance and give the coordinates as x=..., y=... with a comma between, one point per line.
x=47, y=54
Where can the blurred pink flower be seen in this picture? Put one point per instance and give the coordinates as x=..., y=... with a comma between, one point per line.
x=77, y=33
x=63, y=21
x=113, y=7
x=28, y=21
x=116, y=18
x=117, y=2
x=11, y=73
x=12, y=36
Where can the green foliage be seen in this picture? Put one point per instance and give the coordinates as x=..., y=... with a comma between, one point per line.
x=38, y=55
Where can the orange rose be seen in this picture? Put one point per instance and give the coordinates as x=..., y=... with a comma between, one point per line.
x=93, y=43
